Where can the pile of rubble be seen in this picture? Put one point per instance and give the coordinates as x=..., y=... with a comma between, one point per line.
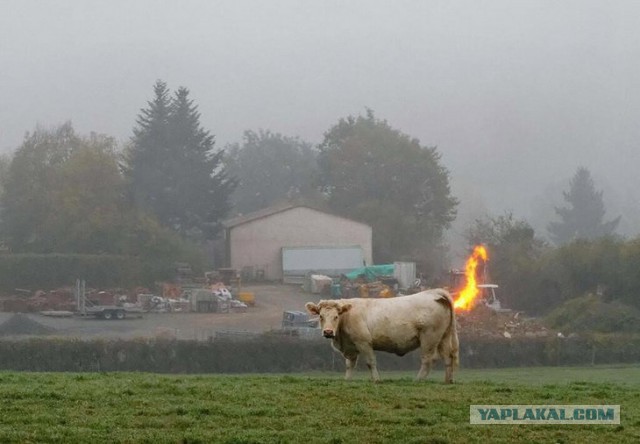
x=21, y=324
x=217, y=298
x=60, y=299
x=482, y=321
x=157, y=304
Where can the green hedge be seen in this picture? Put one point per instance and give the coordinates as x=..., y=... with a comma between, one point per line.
x=45, y=271
x=288, y=354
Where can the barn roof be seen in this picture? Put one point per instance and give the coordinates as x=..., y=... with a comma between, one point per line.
x=275, y=209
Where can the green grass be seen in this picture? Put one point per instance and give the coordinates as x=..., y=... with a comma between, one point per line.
x=322, y=408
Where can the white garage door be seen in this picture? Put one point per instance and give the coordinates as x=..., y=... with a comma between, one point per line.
x=332, y=261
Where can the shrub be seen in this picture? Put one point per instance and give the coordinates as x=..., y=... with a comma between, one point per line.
x=267, y=354
x=591, y=313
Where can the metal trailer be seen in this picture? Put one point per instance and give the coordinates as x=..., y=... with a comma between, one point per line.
x=105, y=312
x=108, y=312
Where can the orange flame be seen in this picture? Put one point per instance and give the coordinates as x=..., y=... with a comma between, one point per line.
x=466, y=299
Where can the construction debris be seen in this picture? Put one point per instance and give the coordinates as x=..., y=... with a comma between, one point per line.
x=61, y=302
x=482, y=321
x=360, y=288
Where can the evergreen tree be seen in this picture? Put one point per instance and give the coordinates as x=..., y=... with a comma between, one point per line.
x=583, y=217
x=200, y=198
x=146, y=164
x=173, y=170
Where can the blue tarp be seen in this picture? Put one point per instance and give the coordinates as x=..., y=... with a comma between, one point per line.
x=372, y=272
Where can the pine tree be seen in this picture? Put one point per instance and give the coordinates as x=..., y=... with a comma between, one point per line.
x=202, y=186
x=583, y=217
x=146, y=168
x=173, y=168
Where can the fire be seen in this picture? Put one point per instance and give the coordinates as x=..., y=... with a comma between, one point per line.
x=466, y=298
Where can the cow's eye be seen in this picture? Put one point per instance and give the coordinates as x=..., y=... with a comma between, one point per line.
x=335, y=318
x=321, y=318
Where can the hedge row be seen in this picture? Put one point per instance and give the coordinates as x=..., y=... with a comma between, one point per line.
x=45, y=271
x=289, y=354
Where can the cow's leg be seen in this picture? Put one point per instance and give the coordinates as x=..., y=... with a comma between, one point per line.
x=425, y=367
x=448, y=374
x=351, y=362
x=370, y=359
x=427, y=350
x=446, y=351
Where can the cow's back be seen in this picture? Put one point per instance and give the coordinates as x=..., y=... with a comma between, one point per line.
x=394, y=325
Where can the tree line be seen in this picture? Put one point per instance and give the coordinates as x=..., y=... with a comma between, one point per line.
x=167, y=191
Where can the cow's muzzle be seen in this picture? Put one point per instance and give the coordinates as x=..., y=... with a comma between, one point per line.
x=328, y=333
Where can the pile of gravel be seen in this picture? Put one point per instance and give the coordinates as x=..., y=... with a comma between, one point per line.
x=21, y=324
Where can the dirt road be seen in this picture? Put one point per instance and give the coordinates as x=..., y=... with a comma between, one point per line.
x=271, y=301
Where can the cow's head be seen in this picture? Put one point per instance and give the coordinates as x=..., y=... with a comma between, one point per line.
x=329, y=313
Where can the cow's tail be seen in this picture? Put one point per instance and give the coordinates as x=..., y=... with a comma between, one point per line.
x=449, y=343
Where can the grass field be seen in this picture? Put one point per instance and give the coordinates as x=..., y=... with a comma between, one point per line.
x=322, y=408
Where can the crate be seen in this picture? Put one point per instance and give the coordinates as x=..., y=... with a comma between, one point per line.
x=247, y=297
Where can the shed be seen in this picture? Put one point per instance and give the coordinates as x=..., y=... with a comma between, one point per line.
x=259, y=243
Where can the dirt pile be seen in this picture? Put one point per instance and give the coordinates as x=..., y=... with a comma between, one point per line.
x=21, y=324
x=58, y=299
x=482, y=321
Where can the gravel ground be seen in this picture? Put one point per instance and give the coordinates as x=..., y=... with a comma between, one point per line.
x=271, y=301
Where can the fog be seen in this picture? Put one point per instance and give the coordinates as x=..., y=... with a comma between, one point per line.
x=515, y=95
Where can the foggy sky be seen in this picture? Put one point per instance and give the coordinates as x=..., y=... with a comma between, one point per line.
x=516, y=94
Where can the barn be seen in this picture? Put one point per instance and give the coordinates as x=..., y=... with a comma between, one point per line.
x=286, y=241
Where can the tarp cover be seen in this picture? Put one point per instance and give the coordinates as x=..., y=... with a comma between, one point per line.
x=371, y=272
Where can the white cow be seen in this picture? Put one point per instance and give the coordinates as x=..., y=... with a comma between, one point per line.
x=396, y=325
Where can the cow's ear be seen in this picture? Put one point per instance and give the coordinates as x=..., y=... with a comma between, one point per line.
x=312, y=308
x=344, y=308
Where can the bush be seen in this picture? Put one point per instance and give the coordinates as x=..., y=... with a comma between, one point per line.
x=591, y=313
x=606, y=265
x=268, y=354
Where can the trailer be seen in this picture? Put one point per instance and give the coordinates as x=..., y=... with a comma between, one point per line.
x=107, y=312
